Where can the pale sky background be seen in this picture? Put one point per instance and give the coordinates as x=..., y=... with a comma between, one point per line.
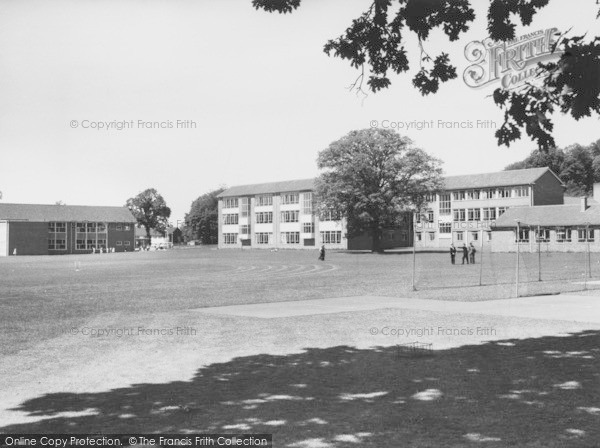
x=265, y=97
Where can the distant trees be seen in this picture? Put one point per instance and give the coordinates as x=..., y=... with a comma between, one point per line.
x=202, y=222
x=371, y=177
x=150, y=210
x=578, y=166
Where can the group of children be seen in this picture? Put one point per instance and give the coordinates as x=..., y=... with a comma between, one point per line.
x=467, y=251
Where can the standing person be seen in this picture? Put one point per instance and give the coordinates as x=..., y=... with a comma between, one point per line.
x=452, y=253
x=465, y=251
x=322, y=252
x=472, y=251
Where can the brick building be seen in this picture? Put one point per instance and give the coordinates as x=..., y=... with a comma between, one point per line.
x=32, y=229
x=468, y=207
x=282, y=215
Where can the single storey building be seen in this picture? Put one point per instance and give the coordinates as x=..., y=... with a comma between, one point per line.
x=35, y=229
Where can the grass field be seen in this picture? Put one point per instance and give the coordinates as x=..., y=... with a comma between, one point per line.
x=49, y=294
x=315, y=381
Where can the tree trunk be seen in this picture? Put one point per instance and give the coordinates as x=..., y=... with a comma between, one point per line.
x=376, y=239
x=148, y=234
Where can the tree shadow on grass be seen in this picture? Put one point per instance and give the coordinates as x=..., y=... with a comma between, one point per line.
x=542, y=392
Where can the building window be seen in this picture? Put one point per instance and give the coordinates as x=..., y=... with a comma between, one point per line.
x=119, y=227
x=80, y=245
x=263, y=238
x=127, y=243
x=264, y=200
x=119, y=243
x=403, y=236
x=101, y=227
x=429, y=214
x=445, y=204
x=489, y=213
x=459, y=214
x=290, y=198
x=445, y=227
x=489, y=235
x=290, y=216
x=523, y=236
x=245, y=230
x=542, y=235
x=264, y=218
x=307, y=203
x=330, y=215
x=563, y=234
x=501, y=211
x=521, y=192
x=458, y=195
x=230, y=203
x=473, y=194
x=475, y=236
x=57, y=227
x=504, y=192
x=80, y=227
x=473, y=214
x=585, y=235
x=331, y=237
x=290, y=237
x=431, y=236
x=308, y=227
x=245, y=209
x=230, y=218
x=102, y=244
x=91, y=244
x=459, y=236
x=419, y=236
x=430, y=197
x=230, y=238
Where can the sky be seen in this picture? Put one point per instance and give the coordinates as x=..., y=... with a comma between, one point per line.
x=256, y=97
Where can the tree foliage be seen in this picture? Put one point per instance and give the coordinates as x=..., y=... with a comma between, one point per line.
x=371, y=177
x=578, y=166
x=202, y=222
x=374, y=43
x=150, y=210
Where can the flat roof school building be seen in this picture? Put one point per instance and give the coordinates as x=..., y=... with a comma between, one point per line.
x=282, y=215
x=32, y=229
x=468, y=207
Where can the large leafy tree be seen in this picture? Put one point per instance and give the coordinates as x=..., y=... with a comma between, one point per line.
x=577, y=165
x=150, y=210
x=202, y=222
x=374, y=44
x=371, y=177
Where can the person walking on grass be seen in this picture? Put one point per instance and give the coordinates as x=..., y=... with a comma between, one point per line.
x=322, y=252
x=465, y=251
x=472, y=251
x=452, y=253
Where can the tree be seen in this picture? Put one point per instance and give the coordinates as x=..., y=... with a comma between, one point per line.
x=150, y=210
x=202, y=222
x=578, y=166
x=374, y=45
x=371, y=177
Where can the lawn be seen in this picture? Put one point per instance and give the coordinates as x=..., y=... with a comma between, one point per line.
x=41, y=296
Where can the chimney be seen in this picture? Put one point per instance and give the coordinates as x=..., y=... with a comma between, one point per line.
x=596, y=192
x=584, y=204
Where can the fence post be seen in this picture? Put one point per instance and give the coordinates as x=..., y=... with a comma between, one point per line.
x=517, y=273
x=539, y=255
x=481, y=260
x=414, y=251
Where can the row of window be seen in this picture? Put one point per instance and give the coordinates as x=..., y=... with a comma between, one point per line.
x=266, y=200
x=84, y=227
x=563, y=235
x=327, y=237
x=307, y=227
x=61, y=244
x=477, y=214
x=267, y=217
x=491, y=193
x=460, y=236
